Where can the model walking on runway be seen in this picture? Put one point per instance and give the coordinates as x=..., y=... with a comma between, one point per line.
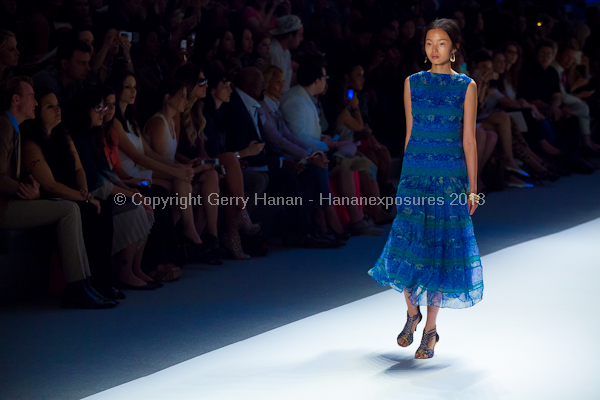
x=431, y=254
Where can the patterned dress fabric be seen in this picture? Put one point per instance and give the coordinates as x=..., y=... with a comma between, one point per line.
x=431, y=251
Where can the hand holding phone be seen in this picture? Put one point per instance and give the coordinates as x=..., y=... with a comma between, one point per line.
x=350, y=94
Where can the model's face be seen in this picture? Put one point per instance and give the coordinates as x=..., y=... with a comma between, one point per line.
x=357, y=78
x=97, y=114
x=129, y=90
x=222, y=92
x=499, y=63
x=438, y=46
x=264, y=48
x=9, y=56
x=228, y=43
x=544, y=56
x=111, y=104
x=27, y=101
x=50, y=111
x=247, y=42
x=511, y=55
x=200, y=90
x=276, y=85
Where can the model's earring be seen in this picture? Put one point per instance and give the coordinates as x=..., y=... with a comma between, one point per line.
x=425, y=62
x=452, y=58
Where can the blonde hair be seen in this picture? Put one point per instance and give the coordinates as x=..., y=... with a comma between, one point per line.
x=269, y=73
x=4, y=36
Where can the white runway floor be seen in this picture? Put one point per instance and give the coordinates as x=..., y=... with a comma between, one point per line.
x=534, y=336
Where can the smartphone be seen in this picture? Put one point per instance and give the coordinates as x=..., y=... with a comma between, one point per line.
x=133, y=37
x=210, y=162
x=350, y=94
x=192, y=39
x=188, y=12
x=336, y=137
x=183, y=44
x=143, y=183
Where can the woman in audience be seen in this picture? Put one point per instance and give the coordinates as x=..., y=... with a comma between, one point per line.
x=509, y=84
x=9, y=54
x=256, y=16
x=52, y=159
x=262, y=50
x=131, y=222
x=214, y=146
x=345, y=124
x=105, y=62
x=225, y=57
x=370, y=146
x=158, y=252
x=161, y=137
x=190, y=137
x=245, y=48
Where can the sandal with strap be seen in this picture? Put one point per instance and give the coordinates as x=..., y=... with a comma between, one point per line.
x=407, y=333
x=423, y=349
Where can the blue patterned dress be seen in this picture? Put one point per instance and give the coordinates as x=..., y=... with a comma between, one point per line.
x=431, y=251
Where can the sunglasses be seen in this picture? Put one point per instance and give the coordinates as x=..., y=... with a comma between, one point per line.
x=100, y=108
x=202, y=83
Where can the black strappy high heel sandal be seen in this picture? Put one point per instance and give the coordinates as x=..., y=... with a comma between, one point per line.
x=423, y=349
x=407, y=333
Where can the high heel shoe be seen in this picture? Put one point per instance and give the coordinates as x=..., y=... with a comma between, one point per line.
x=76, y=295
x=234, y=246
x=407, y=333
x=423, y=349
x=242, y=221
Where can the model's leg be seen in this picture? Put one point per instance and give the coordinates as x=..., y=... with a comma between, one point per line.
x=412, y=311
x=432, y=312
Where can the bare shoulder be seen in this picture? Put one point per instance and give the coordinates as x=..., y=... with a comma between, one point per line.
x=155, y=124
x=471, y=89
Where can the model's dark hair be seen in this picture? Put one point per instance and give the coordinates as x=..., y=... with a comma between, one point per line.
x=450, y=27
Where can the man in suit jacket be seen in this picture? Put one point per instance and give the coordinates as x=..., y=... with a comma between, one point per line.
x=244, y=130
x=20, y=207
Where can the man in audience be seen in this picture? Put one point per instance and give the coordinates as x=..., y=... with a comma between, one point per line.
x=565, y=58
x=244, y=125
x=540, y=85
x=286, y=37
x=20, y=207
x=66, y=77
x=302, y=118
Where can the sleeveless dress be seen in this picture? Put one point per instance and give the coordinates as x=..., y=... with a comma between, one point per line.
x=171, y=147
x=431, y=251
x=133, y=169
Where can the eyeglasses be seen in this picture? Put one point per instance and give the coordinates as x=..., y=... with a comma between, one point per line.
x=99, y=109
x=202, y=83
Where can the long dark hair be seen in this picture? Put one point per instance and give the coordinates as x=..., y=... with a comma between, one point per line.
x=107, y=127
x=334, y=102
x=56, y=147
x=512, y=74
x=448, y=26
x=192, y=118
x=80, y=123
x=130, y=112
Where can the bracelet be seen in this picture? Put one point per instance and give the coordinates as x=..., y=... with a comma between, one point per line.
x=354, y=108
x=474, y=197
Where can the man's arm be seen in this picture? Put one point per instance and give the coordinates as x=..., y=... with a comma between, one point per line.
x=296, y=116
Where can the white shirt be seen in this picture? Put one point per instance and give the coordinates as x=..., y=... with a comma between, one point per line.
x=302, y=118
x=282, y=59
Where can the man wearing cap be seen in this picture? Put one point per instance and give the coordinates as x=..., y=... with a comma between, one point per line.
x=286, y=37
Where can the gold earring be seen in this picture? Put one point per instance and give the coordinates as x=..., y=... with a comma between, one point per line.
x=452, y=58
x=425, y=62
